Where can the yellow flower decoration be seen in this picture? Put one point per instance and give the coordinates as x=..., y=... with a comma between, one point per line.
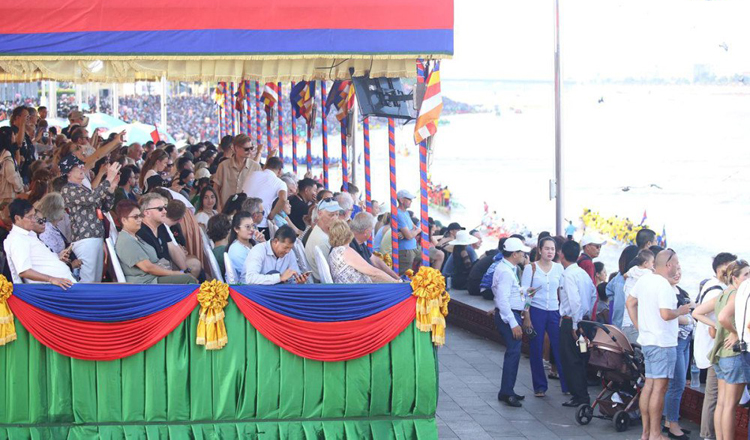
x=428, y=286
x=7, y=324
x=386, y=257
x=212, y=297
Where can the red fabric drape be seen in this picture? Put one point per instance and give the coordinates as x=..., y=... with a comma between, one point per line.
x=328, y=341
x=100, y=341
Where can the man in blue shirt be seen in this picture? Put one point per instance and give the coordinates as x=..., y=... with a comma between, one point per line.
x=408, y=233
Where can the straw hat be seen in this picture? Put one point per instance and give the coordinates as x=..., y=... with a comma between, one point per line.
x=464, y=238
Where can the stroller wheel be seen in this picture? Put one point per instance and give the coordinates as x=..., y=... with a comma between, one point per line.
x=584, y=414
x=621, y=421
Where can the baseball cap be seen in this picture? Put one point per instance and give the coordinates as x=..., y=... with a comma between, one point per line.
x=69, y=162
x=201, y=173
x=77, y=114
x=330, y=205
x=405, y=194
x=455, y=227
x=513, y=244
x=592, y=239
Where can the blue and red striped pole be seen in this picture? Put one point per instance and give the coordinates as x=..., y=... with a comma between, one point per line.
x=344, y=157
x=227, y=104
x=281, y=122
x=269, y=110
x=324, y=128
x=368, y=188
x=423, y=196
x=294, y=137
x=394, y=201
x=231, y=105
x=248, y=110
x=309, y=145
x=220, y=118
x=258, y=134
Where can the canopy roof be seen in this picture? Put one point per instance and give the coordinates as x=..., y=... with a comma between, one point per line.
x=191, y=40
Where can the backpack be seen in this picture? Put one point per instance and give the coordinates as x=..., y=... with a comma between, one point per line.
x=702, y=294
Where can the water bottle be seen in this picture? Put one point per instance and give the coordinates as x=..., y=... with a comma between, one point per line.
x=695, y=376
x=582, y=344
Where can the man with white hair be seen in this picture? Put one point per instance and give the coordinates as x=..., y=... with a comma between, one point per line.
x=347, y=204
x=328, y=212
x=361, y=226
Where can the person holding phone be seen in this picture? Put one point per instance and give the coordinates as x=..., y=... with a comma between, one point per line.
x=272, y=262
x=541, y=279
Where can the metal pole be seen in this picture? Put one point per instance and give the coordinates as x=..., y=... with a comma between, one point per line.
x=115, y=101
x=353, y=143
x=52, y=109
x=164, y=104
x=558, y=130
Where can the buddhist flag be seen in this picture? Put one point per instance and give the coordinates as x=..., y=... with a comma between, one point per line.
x=645, y=217
x=219, y=95
x=241, y=94
x=302, y=98
x=270, y=95
x=432, y=105
x=341, y=97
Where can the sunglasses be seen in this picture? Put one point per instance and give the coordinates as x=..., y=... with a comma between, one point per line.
x=160, y=208
x=169, y=165
x=670, y=257
x=137, y=216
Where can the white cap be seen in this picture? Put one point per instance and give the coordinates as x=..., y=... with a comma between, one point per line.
x=513, y=244
x=592, y=239
x=405, y=194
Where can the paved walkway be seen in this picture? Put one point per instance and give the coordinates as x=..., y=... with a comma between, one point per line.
x=470, y=370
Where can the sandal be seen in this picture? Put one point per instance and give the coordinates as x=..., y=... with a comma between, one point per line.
x=539, y=394
x=553, y=376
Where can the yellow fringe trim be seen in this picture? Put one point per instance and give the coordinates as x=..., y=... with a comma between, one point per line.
x=212, y=332
x=7, y=324
x=428, y=286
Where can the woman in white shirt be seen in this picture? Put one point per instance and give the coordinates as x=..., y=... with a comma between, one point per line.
x=206, y=207
x=541, y=280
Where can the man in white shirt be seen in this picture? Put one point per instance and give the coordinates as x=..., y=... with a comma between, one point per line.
x=267, y=186
x=272, y=262
x=577, y=296
x=328, y=212
x=509, y=305
x=652, y=304
x=704, y=343
x=32, y=259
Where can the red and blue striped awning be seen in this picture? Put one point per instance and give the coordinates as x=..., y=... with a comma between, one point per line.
x=109, y=29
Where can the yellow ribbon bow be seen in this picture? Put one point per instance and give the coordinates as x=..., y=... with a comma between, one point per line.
x=428, y=286
x=7, y=324
x=211, y=330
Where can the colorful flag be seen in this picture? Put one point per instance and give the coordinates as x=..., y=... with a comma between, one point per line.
x=155, y=135
x=239, y=103
x=270, y=96
x=662, y=239
x=432, y=105
x=302, y=98
x=219, y=95
x=643, y=220
x=341, y=97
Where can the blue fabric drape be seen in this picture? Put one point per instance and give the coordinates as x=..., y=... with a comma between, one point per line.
x=327, y=302
x=103, y=302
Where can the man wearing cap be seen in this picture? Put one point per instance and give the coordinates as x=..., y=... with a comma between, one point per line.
x=407, y=246
x=328, y=211
x=509, y=305
x=577, y=295
x=591, y=246
x=76, y=119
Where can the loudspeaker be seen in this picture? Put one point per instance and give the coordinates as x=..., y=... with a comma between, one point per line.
x=383, y=97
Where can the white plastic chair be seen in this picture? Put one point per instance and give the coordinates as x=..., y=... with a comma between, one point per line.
x=272, y=228
x=299, y=253
x=114, y=261
x=209, y=254
x=324, y=270
x=15, y=277
x=112, y=228
x=231, y=274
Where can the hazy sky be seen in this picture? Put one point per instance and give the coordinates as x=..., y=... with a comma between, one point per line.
x=513, y=39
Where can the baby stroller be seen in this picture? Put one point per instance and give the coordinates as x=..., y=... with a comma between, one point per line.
x=620, y=366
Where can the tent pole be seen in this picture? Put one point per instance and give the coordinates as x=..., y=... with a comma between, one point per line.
x=324, y=128
x=115, y=101
x=353, y=144
x=52, y=99
x=559, y=205
x=164, y=104
x=280, y=110
x=294, y=136
x=394, y=201
x=368, y=188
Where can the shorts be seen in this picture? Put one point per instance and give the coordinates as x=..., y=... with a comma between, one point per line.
x=660, y=361
x=734, y=370
x=406, y=259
